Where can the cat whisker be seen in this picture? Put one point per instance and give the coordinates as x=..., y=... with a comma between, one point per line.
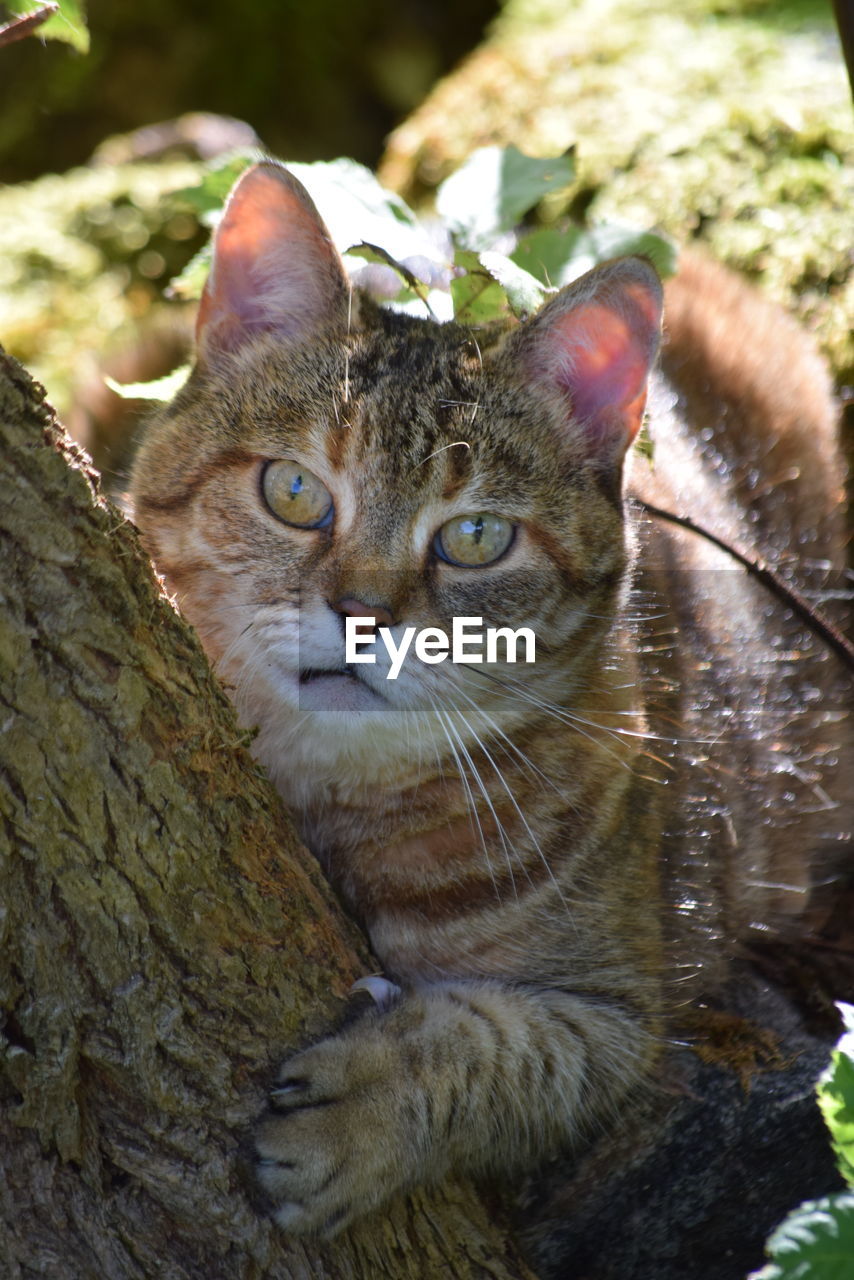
x=616, y=732
x=347, y=348
x=419, y=743
x=509, y=851
x=641, y=617
x=503, y=782
x=453, y=445
x=451, y=730
x=480, y=362
x=251, y=652
x=473, y=813
x=497, y=731
x=512, y=689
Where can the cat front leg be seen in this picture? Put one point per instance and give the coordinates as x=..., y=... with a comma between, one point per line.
x=469, y=1076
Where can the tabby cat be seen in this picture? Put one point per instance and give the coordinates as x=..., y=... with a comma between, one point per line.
x=542, y=855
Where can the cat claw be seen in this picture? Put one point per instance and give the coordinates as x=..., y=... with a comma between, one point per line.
x=286, y=1090
x=382, y=992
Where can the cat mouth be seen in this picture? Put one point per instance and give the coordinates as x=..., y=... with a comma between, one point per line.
x=309, y=674
x=336, y=689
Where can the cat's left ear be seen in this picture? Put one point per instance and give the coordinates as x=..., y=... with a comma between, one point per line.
x=274, y=268
x=591, y=348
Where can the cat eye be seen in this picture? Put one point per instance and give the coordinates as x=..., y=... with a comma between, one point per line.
x=295, y=495
x=475, y=540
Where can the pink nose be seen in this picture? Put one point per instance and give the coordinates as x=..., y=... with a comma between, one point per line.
x=357, y=609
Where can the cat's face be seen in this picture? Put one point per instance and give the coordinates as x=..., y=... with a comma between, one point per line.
x=346, y=462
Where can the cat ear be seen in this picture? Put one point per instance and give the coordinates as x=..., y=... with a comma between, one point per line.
x=275, y=268
x=593, y=347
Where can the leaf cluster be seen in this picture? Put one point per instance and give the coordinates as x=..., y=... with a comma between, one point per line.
x=816, y=1241
x=468, y=262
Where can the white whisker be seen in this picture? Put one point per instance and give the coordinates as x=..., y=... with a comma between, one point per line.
x=448, y=724
x=473, y=813
x=558, y=713
x=453, y=445
x=502, y=780
x=347, y=348
x=526, y=761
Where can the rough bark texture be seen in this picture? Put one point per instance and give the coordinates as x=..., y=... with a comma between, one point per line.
x=164, y=940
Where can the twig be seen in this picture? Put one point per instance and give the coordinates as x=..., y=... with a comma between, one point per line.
x=815, y=620
x=26, y=24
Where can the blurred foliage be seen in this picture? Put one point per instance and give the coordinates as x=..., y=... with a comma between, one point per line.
x=317, y=79
x=84, y=258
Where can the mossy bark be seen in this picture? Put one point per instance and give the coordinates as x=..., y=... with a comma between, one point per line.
x=164, y=939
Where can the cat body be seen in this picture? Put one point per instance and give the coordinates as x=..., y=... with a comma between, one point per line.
x=537, y=853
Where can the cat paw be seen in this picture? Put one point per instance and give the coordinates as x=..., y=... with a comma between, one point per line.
x=336, y=1146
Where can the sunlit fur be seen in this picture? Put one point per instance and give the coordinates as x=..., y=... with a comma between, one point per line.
x=539, y=854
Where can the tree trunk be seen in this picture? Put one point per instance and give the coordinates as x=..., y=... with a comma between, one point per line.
x=164, y=939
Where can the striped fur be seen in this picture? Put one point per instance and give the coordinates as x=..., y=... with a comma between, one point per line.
x=505, y=835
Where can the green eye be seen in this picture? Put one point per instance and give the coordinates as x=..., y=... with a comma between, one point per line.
x=474, y=540
x=295, y=495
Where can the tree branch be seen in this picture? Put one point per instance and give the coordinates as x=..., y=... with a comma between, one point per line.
x=166, y=941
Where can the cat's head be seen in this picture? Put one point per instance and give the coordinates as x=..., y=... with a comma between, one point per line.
x=329, y=459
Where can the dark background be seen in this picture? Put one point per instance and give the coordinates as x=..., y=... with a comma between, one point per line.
x=315, y=78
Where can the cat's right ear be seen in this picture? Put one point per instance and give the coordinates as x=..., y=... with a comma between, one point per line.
x=591, y=350
x=274, y=270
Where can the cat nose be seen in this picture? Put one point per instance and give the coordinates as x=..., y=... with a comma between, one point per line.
x=350, y=608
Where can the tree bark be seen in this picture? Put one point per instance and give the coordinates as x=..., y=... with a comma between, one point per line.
x=164, y=939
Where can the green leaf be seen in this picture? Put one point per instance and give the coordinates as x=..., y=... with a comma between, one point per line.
x=190, y=282
x=524, y=292
x=645, y=445
x=493, y=191
x=836, y=1098
x=158, y=389
x=358, y=210
x=559, y=257
x=68, y=25
x=488, y=285
x=548, y=255
x=478, y=298
x=210, y=194
x=816, y=1242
